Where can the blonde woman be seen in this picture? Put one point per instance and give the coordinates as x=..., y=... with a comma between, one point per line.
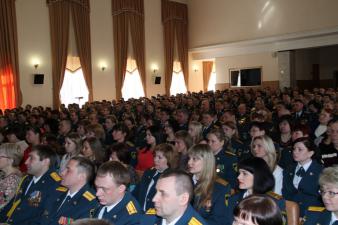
x=263, y=147
x=195, y=131
x=73, y=146
x=210, y=192
x=10, y=157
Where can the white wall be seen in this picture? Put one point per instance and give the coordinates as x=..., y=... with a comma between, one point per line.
x=224, y=21
x=267, y=61
x=34, y=41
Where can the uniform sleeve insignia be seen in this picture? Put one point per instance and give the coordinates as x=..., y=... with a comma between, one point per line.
x=65, y=220
x=55, y=176
x=89, y=196
x=234, y=166
x=194, y=221
x=222, y=181
x=274, y=195
x=131, y=208
x=226, y=197
x=316, y=209
x=62, y=189
x=151, y=211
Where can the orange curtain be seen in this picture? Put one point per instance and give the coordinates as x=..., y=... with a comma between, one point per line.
x=175, y=28
x=207, y=69
x=10, y=96
x=80, y=11
x=59, y=32
x=127, y=12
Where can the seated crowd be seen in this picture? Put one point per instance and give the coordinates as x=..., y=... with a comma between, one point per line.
x=199, y=158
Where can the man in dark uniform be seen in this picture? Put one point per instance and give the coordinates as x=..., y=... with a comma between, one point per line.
x=34, y=190
x=329, y=153
x=75, y=199
x=117, y=204
x=174, y=192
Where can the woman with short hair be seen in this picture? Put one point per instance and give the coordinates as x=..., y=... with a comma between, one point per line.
x=10, y=157
x=257, y=210
x=327, y=215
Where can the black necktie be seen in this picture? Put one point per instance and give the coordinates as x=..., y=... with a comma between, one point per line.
x=300, y=172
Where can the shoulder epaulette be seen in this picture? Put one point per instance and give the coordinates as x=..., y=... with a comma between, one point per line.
x=230, y=153
x=89, y=196
x=131, y=144
x=62, y=189
x=222, y=181
x=131, y=208
x=194, y=221
x=151, y=211
x=274, y=195
x=316, y=208
x=55, y=176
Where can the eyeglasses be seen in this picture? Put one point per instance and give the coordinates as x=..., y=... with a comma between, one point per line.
x=331, y=194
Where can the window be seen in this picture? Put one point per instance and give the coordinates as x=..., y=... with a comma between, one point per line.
x=7, y=95
x=132, y=85
x=74, y=88
x=212, y=79
x=246, y=77
x=177, y=82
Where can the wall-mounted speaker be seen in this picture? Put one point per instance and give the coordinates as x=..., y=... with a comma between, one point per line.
x=157, y=80
x=38, y=78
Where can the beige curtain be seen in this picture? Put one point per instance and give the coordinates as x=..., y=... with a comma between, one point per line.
x=175, y=28
x=10, y=96
x=207, y=69
x=59, y=32
x=125, y=13
x=81, y=20
x=59, y=13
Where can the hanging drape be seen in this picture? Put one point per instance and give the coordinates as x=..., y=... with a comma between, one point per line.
x=128, y=13
x=81, y=20
x=175, y=28
x=59, y=12
x=207, y=69
x=10, y=96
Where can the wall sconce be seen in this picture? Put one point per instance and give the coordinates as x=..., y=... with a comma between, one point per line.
x=195, y=68
x=35, y=62
x=154, y=68
x=102, y=65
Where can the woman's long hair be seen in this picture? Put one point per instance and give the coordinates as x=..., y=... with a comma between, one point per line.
x=204, y=187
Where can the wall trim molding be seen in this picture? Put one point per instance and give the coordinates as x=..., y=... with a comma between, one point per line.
x=306, y=39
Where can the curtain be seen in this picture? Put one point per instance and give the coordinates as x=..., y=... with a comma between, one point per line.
x=59, y=12
x=81, y=22
x=175, y=28
x=127, y=12
x=10, y=96
x=207, y=69
x=59, y=25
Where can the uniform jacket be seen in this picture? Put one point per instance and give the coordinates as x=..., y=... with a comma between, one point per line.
x=81, y=205
x=126, y=212
x=317, y=216
x=214, y=214
x=141, y=189
x=226, y=166
x=307, y=192
x=24, y=208
x=190, y=217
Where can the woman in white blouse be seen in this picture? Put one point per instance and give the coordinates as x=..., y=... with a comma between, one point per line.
x=263, y=147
